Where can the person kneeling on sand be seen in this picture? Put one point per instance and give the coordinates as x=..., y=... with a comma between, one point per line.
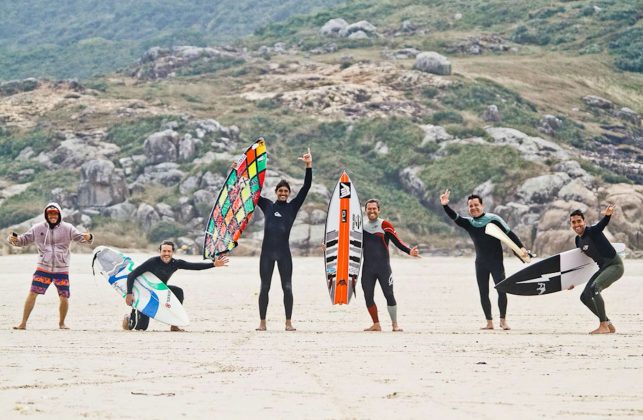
x=53, y=237
x=162, y=267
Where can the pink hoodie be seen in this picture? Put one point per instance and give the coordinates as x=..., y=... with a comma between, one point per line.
x=52, y=242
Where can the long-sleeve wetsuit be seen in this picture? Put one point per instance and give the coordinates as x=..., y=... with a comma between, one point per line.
x=595, y=245
x=488, y=254
x=163, y=271
x=279, y=218
x=377, y=266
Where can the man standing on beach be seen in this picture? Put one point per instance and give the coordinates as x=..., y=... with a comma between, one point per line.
x=162, y=267
x=592, y=242
x=377, y=266
x=279, y=218
x=53, y=237
x=489, y=258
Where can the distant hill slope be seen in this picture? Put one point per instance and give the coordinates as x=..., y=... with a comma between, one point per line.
x=80, y=39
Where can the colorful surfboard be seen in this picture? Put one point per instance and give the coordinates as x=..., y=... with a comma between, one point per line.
x=236, y=202
x=343, y=240
x=553, y=274
x=151, y=296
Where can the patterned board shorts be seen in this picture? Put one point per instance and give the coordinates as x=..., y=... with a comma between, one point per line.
x=42, y=280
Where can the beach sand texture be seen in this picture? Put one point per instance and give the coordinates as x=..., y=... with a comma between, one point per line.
x=441, y=366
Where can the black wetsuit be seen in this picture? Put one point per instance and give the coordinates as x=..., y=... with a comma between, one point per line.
x=377, y=264
x=163, y=271
x=489, y=255
x=595, y=245
x=280, y=217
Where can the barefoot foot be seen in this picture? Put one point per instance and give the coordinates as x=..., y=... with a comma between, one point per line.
x=612, y=328
x=63, y=327
x=504, y=325
x=601, y=330
x=20, y=327
x=262, y=326
x=374, y=327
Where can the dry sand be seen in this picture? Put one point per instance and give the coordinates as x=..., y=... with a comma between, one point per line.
x=442, y=366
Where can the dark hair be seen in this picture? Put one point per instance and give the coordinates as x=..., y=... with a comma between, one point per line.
x=372, y=200
x=577, y=212
x=282, y=183
x=473, y=197
x=170, y=243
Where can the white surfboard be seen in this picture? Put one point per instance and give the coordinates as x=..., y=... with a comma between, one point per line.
x=553, y=274
x=494, y=230
x=343, y=241
x=151, y=296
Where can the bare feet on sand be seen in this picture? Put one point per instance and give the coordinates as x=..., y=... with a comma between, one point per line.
x=611, y=327
x=177, y=329
x=22, y=326
x=63, y=327
x=396, y=328
x=504, y=325
x=125, y=323
x=489, y=326
x=289, y=326
x=374, y=327
x=262, y=326
x=603, y=328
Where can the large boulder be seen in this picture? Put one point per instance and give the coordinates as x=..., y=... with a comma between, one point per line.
x=101, y=184
x=333, y=27
x=554, y=234
x=363, y=26
x=432, y=62
x=597, y=102
x=542, y=188
x=628, y=214
x=147, y=217
x=531, y=148
x=161, y=147
x=120, y=211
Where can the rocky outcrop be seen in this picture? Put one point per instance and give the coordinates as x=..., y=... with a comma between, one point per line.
x=101, y=184
x=597, y=102
x=432, y=62
x=13, y=87
x=491, y=114
x=339, y=28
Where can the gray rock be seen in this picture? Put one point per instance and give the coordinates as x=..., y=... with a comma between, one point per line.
x=627, y=114
x=203, y=199
x=491, y=114
x=408, y=26
x=209, y=180
x=333, y=27
x=190, y=184
x=166, y=173
x=25, y=154
x=597, y=102
x=164, y=210
x=432, y=62
x=147, y=217
x=358, y=35
x=317, y=217
x=411, y=181
x=542, y=188
x=325, y=49
x=101, y=184
x=381, y=148
x=362, y=26
x=17, y=86
x=161, y=147
x=577, y=191
x=531, y=148
x=434, y=134
x=186, y=212
x=67, y=199
x=187, y=148
x=405, y=53
x=120, y=211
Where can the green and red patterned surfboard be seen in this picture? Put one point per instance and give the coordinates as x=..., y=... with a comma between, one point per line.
x=236, y=202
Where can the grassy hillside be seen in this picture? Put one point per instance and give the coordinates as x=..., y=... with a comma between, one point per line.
x=80, y=39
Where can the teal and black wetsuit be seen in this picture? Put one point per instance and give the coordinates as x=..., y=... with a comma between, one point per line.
x=595, y=245
x=280, y=217
x=488, y=255
x=156, y=266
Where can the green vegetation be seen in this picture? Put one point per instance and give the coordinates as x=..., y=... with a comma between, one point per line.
x=166, y=230
x=32, y=201
x=130, y=135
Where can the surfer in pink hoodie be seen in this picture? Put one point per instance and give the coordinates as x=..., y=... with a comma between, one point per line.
x=52, y=238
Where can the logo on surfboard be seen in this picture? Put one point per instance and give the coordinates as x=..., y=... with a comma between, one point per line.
x=344, y=190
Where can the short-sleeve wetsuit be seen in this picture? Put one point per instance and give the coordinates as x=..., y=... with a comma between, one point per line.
x=279, y=218
x=596, y=246
x=156, y=266
x=489, y=258
x=377, y=266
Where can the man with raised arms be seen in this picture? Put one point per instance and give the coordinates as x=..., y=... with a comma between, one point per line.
x=162, y=267
x=52, y=238
x=592, y=242
x=377, y=266
x=489, y=259
x=279, y=218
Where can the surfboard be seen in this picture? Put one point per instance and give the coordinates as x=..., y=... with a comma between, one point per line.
x=151, y=296
x=494, y=230
x=236, y=201
x=553, y=274
x=343, y=241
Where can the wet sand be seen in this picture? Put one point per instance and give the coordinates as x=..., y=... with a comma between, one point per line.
x=441, y=366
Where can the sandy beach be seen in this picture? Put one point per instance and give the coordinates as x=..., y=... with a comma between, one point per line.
x=441, y=366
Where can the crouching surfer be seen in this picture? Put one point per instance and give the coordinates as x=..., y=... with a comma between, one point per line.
x=377, y=266
x=53, y=237
x=489, y=258
x=162, y=267
x=592, y=242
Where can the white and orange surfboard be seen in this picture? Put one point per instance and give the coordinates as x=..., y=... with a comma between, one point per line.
x=343, y=241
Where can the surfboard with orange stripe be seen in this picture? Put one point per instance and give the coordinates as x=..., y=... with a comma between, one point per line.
x=343, y=241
